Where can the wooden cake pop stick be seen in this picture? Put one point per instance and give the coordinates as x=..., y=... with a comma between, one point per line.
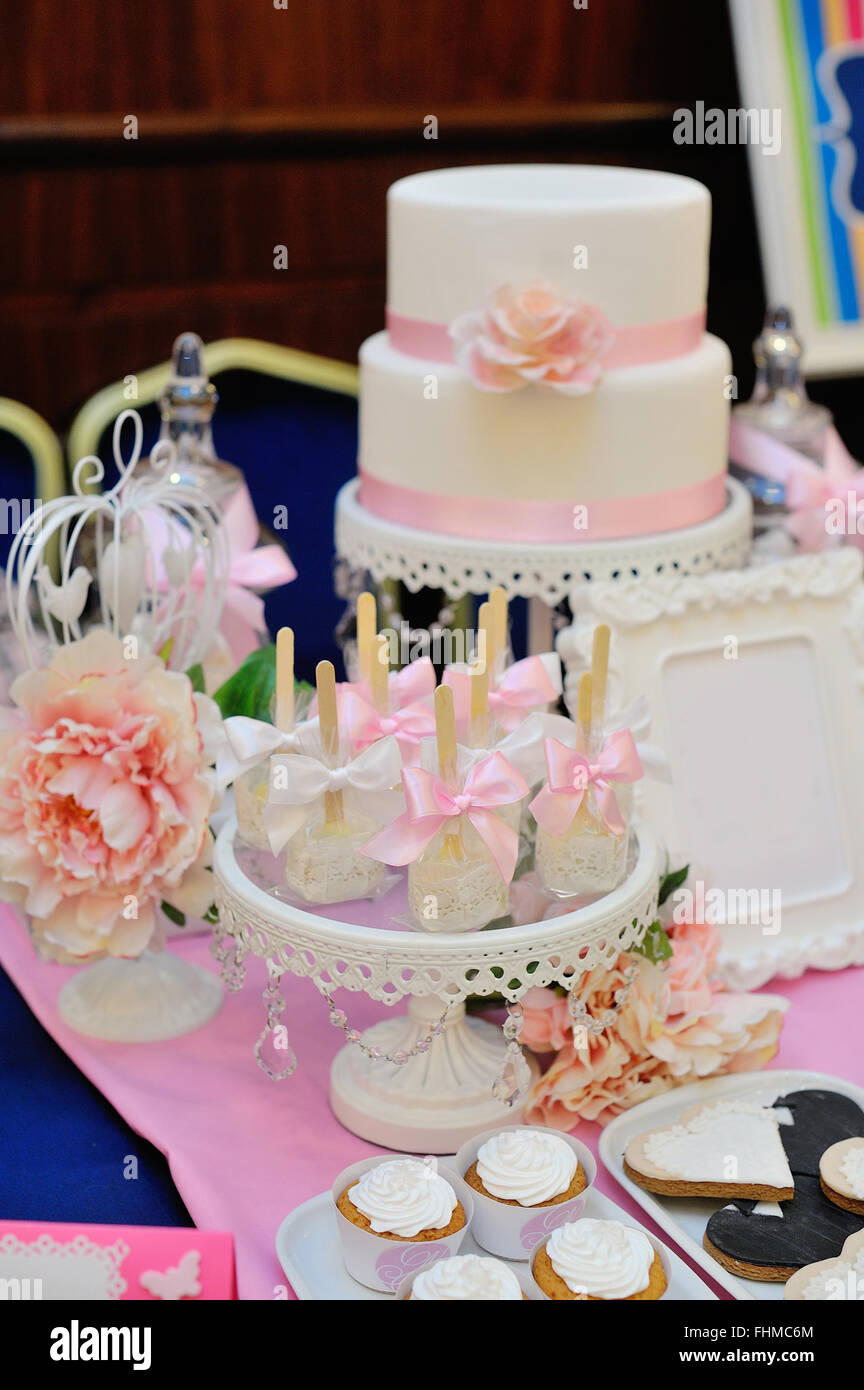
x=583, y=710
x=448, y=757
x=367, y=625
x=328, y=721
x=599, y=673
x=479, y=704
x=379, y=669
x=285, y=680
x=583, y=724
x=487, y=647
x=498, y=600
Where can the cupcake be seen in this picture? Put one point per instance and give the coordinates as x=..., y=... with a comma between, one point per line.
x=597, y=1261
x=403, y=1199
x=525, y=1183
x=396, y=1215
x=841, y=1175
x=527, y=1168
x=466, y=1279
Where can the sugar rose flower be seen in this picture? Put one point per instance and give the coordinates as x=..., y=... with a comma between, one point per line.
x=532, y=337
x=105, y=797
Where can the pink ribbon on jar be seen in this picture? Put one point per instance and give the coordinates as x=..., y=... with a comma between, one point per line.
x=431, y=805
x=571, y=773
x=524, y=686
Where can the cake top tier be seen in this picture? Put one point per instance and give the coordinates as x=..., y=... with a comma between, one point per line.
x=631, y=241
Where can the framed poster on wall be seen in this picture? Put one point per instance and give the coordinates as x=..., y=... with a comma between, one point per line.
x=805, y=60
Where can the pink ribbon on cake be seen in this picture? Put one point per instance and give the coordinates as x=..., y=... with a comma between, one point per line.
x=635, y=344
x=490, y=784
x=808, y=487
x=524, y=686
x=544, y=523
x=571, y=773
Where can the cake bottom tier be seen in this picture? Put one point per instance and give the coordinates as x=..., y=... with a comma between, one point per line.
x=644, y=452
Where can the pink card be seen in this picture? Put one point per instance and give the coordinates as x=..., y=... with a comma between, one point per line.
x=51, y=1260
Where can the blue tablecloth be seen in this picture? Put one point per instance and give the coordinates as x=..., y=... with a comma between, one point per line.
x=63, y=1149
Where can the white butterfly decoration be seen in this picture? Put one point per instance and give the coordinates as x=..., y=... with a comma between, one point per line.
x=180, y=1281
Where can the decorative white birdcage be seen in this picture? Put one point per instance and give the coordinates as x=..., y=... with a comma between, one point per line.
x=152, y=544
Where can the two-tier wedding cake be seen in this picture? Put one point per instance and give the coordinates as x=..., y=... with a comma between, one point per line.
x=545, y=374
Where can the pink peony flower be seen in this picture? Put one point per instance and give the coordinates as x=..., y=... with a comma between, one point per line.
x=532, y=337
x=105, y=798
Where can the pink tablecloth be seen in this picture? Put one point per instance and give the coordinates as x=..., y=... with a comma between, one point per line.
x=244, y=1150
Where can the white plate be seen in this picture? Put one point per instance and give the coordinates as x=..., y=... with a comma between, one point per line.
x=684, y=1218
x=308, y=1249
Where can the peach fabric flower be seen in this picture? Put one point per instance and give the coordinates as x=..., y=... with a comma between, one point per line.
x=737, y=1032
x=105, y=798
x=688, y=972
x=532, y=337
x=546, y=1020
x=651, y=1048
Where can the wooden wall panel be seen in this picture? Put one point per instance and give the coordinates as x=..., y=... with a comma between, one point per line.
x=261, y=127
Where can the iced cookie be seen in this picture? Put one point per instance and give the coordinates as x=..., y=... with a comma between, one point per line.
x=832, y=1281
x=841, y=1175
x=729, y=1148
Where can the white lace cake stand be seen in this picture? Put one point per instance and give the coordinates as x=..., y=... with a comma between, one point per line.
x=548, y=573
x=438, y=1099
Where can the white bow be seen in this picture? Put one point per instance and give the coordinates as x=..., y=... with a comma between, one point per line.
x=298, y=782
x=247, y=743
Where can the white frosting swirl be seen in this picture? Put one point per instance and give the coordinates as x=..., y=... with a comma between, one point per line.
x=404, y=1196
x=466, y=1277
x=852, y=1169
x=528, y=1166
x=604, y=1258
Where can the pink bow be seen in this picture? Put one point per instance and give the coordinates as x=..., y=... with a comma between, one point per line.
x=490, y=784
x=571, y=774
x=523, y=687
x=414, y=682
x=808, y=487
x=363, y=725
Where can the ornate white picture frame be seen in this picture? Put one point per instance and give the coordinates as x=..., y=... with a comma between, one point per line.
x=755, y=681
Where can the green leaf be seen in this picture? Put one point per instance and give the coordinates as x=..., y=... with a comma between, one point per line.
x=178, y=918
x=196, y=676
x=250, y=690
x=212, y=914
x=670, y=882
x=166, y=650
x=655, y=944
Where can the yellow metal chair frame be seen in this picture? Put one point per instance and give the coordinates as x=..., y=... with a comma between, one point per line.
x=222, y=355
x=45, y=450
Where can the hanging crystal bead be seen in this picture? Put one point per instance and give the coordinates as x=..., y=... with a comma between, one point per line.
x=275, y=1003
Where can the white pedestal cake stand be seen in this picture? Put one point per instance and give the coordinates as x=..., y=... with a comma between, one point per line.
x=545, y=574
x=437, y=1100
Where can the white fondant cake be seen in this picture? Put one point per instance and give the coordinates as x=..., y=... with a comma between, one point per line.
x=545, y=374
